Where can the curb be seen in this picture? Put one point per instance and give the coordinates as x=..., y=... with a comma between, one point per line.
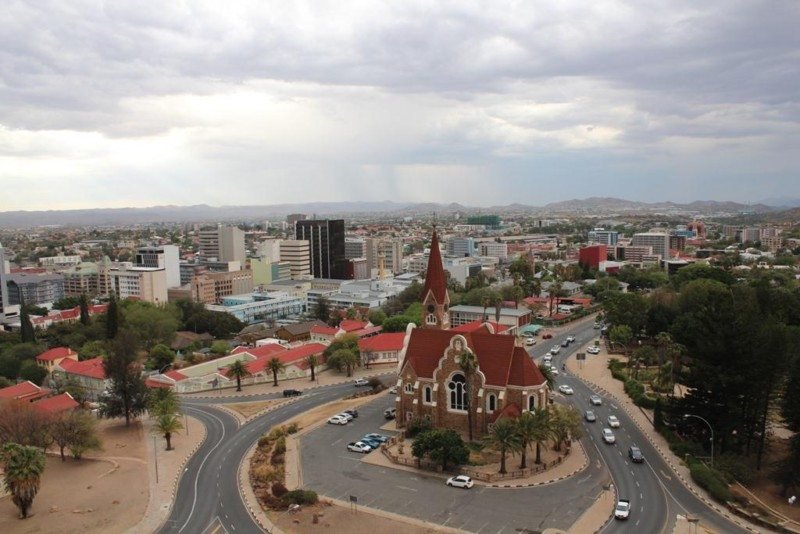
x=551, y=481
x=623, y=405
x=268, y=527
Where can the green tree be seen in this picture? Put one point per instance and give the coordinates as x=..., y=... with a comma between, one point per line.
x=527, y=431
x=23, y=472
x=83, y=302
x=621, y=335
x=66, y=303
x=343, y=359
x=30, y=370
x=543, y=430
x=444, y=446
x=220, y=348
x=312, y=361
x=629, y=309
x=565, y=424
x=75, y=428
x=86, y=437
x=398, y=323
x=112, y=317
x=238, y=370
x=275, y=366
x=468, y=364
x=163, y=401
x=153, y=324
x=26, y=330
x=91, y=349
x=167, y=424
x=322, y=311
x=9, y=366
x=504, y=437
x=127, y=396
x=376, y=317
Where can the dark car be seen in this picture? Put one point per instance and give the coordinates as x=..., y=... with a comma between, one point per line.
x=635, y=454
x=292, y=392
x=390, y=413
x=565, y=343
x=547, y=336
x=353, y=413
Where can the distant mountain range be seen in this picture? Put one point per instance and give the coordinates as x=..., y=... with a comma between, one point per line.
x=203, y=212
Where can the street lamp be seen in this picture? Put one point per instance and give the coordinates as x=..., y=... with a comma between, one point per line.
x=687, y=415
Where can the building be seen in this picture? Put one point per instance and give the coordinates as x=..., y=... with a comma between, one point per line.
x=261, y=270
x=388, y=250
x=632, y=254
x=489, y=221
x=258, y=307
x=281, y=271
x=659, y=241
x=3, y=287
x=494, y=249
x=50, y=358
x=357, y=269
x=592, y=256
x=144, y=283
x=90, y=374
x=432, y=385
x=34, y=288
x=297, y=254
x=604, y=237
x=86, y=278
x=225, y=243
x=460, y=247
x=270, y=250
x=355, y=247
x=677, y=242
x=750, y=234
x=382, y=348
x=24, y=391
x=229, y=283
x=59, y=261
x=510, y=317
x=165, y=257
x=326, y=238
x=772, y=243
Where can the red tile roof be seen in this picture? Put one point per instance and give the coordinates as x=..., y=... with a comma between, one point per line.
x=177, y=376
x=435, y=279
x=382, y=342
x=152, y=383
x=349, y=325
x=495, y=354
x=23, y=391
x=57, y=404
x=55, y=354
x=523, y=371
x=90, y=368
x=324, y=330
x=478, y=324
x=295, y=356
x=367, y=332
x=262, y=351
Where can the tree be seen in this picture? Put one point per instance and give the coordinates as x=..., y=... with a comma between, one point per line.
x=621, y=335
x=444, y=446
x=112, y=317
x=543, y=430
x=628, y=309
x=548, y=376
x=238, y=370
x=220, y=348
x=161, y=357
x=376, y=317
x=21, y=423
x=468, y=364
x=91, y=349
x=66, y=303
x=565, y=424
x=27, y=334
x=312, y=362
x=343, y=359
x=275, y=366
x=166, y=424
x=23, y=471
x=83, y=302
x=322, y=311
x=527, y=432
x=153, y=324
x=30, y=370
x=127, y=396
x=9, y=366
x=504, y=436
x=163, y=401
x=398, y=323
x=75, y=429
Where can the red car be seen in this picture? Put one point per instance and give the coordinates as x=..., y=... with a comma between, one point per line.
x=547, y=336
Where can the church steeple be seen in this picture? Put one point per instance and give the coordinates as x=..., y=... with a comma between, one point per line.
x=435, y=300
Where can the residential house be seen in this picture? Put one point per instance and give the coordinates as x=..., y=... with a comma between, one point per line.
x=90, y=374
x=49, y=359
x=24, y=391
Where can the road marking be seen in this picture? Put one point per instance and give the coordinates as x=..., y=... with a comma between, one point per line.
x=406, y=488
x=614, y=407
x=641, y=496
x=663, y=474
x=637, y=484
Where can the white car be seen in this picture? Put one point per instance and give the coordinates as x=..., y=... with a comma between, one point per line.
x=595, y=400
x=608, y=436
x=359, y=446
x=553, y=371
x=623, y=509
x=565, y=389
x=555, y=350
x=338, y=420
x=613, y=422
x=361, y=382
x=547, y=358
x=529, y=342
x=345, y=415
x=461, y=481
x=571, y=339
x=593, y=349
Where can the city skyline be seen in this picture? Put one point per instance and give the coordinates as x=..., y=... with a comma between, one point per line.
x=129, y=106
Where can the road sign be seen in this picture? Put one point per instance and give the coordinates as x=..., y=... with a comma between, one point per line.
x=580, y=356
x=353, y=498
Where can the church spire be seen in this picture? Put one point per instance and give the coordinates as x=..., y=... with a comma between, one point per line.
x=435, y=299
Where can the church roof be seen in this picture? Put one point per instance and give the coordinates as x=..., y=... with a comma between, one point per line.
x=435, y=279
x=500, y=361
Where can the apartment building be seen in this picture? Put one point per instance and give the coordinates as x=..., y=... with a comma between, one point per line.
x=297, y=253
x=355, y=247
x=144, y=283
x=165, y=257
x=86, y=278
x=59, y=261
x=494, y=249
x=388, y=250
x=34, y=288
x=659, y=241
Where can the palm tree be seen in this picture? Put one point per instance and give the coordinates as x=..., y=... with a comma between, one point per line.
x=23, y=471
x=312, y=363
x=468, y=364
x=275, y=366
x=536, y=287
x=166, y=425
x=163, y=401
x=238, y=370
x=486, y=302
x=504, y=436
x=542, y=430
x=548, y=376
x=527, y=432
x=554, y=291
x=498, y=307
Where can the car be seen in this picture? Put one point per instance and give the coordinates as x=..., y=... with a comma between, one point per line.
x=571, y=339
x=351, y=413
x=292, y=392
x=589, y=416
x=361, y=382
x=565, y=343
x=555, y=350
x=595, y=400
x=553, y=371
x=547, y=358
x=346, y=416
x=373, y=443
x=338, y=420
x=635, y=454
x=393, y=390
x=594, y=349
x=529, y=342
x=378, y=437
x=608, y=436
x=613, y=422
x=623, y=509
x=358, y=446
x=565, y=389
x=461, y=481
x=597, y=326
x=547, y=336
x=390, y=413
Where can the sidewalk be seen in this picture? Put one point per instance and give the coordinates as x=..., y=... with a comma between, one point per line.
x=595, y=371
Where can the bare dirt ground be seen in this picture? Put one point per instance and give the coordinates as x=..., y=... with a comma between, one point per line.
x=248, y=409
x=90, y=495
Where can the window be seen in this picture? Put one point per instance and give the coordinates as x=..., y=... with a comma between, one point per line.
x=430, y=319
x=409, y=388
x=491, y=403
x=457, y=390
x=531, y=403
x=428, y=394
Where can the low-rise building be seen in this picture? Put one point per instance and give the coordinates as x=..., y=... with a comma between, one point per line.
x=260, y=306
x=50, y=358
x=89, y=374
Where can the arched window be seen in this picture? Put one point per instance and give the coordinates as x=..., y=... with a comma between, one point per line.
x=457, y=390
x=431, y=319
x=491, y=403
x=428, y=395
x=531, y=403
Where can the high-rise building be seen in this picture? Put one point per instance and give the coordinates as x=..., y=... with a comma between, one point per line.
x=326, y=238
x=270, y=250
x=592, y=256
x=603, y=237
x=225, y=243
x=658, y=240
x=388, y=250
x=297, y=253
x=355, y=247
x=165, y=257
x=144, y=283
x=34, y=288
x=750, y=234
x=460, y=246
x=3, y=289
x=494, y=249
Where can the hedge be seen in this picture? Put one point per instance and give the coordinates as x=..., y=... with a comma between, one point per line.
x=300, y=497
x=710, y=480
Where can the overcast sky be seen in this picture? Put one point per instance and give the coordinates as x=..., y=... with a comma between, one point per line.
x=111, y=104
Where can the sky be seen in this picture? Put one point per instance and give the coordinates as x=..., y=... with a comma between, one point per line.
x=143, y=103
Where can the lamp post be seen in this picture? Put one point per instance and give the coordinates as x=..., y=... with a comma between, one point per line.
x=687, y=415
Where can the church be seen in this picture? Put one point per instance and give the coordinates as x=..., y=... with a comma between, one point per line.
x=432, y=383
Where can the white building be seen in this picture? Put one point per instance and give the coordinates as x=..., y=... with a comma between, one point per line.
x=494, y=249
x=165, y=257
x=260, y=306
x=297, y=253
x=658, y=240
x=145, y=283
x=59, y=261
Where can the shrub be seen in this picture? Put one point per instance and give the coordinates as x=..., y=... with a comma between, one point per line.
x=264, y=474
x=279, y=490
x=710, y=480
x=417, y=426
x=277, y=432
x=734, y=468
x=280, y=446
x=264, y=442
x=292, y=429
x=277, y=459
x=300, y=497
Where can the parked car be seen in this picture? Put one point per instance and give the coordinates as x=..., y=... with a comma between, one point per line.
x=608, y=436
x=358, y=446
x=589, y=416
x=338, y=420
x=593, y=349
x=361, y=382
x=346, y=416
x=553, y=371
x=613, y=422
x=379, y=437
x=635, y=454
x=292, y=392
x=393, y=390
x=529, y=342
x=547, y=336
x=351, y=413
x=565, y=389
x=373, y=443
x=623, y=509
x=390, y=413
x=461, y=481
x=596, y=400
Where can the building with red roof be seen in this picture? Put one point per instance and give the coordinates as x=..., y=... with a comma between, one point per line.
x=382, y=348
x=57, y=404
x=52, y=357
x=432, y=384
x=90, y=374
x=24, y=391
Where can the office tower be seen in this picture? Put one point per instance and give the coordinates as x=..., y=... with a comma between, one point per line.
x=604, y=237
x=355, y=247
x=326, y=238
x=388, y=250
x=297, y=253
x=165, y=257
x=225, y=243
x=460, y=246
x=658, y=240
